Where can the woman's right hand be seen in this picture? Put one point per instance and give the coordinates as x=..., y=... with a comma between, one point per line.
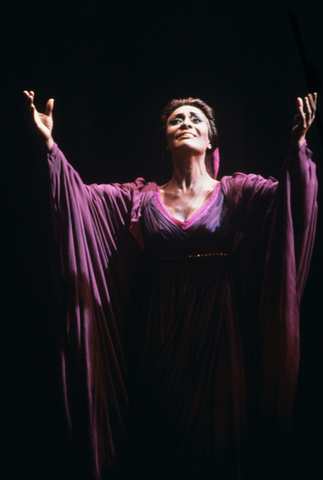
x=42, y=122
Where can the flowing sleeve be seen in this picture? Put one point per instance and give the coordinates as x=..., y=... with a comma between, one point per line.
x=97, y=254
x=275, y=224
x=287, y=262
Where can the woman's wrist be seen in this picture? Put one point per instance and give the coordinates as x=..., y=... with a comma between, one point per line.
x=49, y=144
x=297, y=143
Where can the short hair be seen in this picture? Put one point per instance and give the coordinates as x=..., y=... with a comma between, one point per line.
x=195, y=102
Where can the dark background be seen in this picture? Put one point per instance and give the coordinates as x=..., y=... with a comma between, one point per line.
x=111, y=67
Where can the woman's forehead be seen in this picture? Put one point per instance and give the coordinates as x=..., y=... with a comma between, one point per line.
x=187, y=109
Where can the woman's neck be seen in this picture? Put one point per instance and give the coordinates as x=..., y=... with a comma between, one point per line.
x=189, y=188
x=189, y=173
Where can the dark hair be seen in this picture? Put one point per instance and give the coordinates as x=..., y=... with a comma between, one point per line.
x=195, y=102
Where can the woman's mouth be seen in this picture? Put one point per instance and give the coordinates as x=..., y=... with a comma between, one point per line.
x=185, y=134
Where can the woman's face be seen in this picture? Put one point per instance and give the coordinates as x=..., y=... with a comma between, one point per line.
x=188, y=129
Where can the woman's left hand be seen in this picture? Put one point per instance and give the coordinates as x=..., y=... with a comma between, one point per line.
x=303, y=119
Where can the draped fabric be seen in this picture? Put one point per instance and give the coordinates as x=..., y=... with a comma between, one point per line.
x=180, y=340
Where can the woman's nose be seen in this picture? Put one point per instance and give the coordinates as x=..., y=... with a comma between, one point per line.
x=186, y=123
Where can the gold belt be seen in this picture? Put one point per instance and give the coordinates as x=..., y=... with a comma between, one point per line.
x=197, y=255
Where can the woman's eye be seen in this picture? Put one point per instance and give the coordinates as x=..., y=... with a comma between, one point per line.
x=177, y=120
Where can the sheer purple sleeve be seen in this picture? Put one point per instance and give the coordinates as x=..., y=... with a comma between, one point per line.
x=275, y=223
x=287, y=264
x=97, y=254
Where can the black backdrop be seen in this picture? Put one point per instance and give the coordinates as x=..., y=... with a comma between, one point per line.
x=111, y=67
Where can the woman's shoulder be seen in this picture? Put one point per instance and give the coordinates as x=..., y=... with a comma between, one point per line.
x=246, y=189
x=122, y=195
x=243, y=182
x=139, y=185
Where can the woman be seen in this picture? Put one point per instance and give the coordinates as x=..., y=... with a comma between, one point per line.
x=181, y=306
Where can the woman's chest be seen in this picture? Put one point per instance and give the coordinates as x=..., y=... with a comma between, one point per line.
x=185, y=205
x=208, y=230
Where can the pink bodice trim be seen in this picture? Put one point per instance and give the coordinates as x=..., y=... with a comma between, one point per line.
x=197, y=215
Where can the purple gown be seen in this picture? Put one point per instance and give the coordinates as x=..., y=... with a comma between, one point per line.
x=180, y=340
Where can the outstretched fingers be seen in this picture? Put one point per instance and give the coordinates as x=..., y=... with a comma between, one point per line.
x=300, y=107
x=304, y=118
x=308, y=111
x=49, y=107
x=41, y=123
x=307, y=108
x=312, y=102
x=29, y=99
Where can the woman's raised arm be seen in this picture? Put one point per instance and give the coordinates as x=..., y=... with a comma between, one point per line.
x=41, y=122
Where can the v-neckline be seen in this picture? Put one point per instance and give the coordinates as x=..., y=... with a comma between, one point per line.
x=199, y=213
